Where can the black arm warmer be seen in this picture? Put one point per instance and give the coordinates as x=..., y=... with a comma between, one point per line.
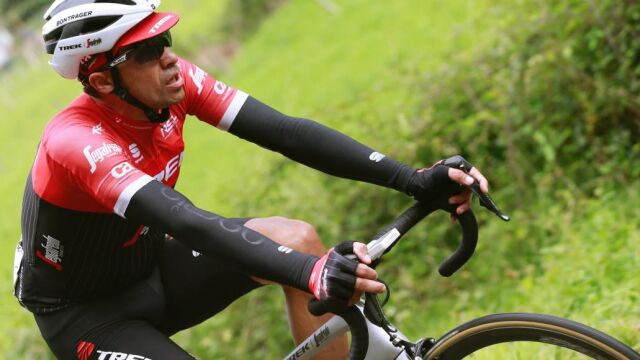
x=318, y=146
x=161, y=207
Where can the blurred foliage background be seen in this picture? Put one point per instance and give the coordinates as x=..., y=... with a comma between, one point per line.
x=542, y=95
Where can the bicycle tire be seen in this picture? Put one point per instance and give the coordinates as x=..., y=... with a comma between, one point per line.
x=518, y=327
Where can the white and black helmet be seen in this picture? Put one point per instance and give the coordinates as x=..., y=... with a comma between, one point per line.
x=76, y=29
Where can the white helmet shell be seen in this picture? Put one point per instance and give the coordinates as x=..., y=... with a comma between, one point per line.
x=76, y=29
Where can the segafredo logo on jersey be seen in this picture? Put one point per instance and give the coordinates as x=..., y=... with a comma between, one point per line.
x=99, y=154
x=159, y=24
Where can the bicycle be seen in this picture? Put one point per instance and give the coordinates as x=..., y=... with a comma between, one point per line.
x=374, y=338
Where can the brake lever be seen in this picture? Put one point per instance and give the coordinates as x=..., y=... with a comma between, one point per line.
x=487, y=202
x=458, y=162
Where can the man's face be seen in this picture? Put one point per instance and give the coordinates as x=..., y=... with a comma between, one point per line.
x=151, y=73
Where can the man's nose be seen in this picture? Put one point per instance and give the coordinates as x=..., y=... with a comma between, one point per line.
x=168, y=58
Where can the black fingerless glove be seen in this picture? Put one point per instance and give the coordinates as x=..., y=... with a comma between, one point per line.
x=432, y=186
x=333, y=278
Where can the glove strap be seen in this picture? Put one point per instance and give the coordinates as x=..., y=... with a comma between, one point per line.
x=315, y=280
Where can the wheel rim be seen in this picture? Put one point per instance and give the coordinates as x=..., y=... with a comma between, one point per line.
x=454, y=338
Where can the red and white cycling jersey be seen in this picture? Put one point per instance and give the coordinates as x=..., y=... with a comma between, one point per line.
x=92, y=159
x=76, y=243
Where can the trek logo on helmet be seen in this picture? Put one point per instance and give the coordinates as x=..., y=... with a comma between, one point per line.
x=159, y=24
x=70, y=47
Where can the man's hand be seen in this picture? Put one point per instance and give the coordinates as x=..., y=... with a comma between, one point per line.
x=463, y=199
x=340, y=281
x=440, y=185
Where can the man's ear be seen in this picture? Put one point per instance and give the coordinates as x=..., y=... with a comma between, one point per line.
x=102, y=82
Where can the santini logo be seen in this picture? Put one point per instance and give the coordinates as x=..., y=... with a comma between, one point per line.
x=284, y=249
x=376, y=156
x=136, y=153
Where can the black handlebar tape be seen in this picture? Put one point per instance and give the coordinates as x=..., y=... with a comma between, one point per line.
x=317, y=307
x=467, y=246
x=411, y=217
x=403, y=223
x=357, y=324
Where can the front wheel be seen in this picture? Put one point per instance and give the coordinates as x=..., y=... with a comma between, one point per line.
x=552, y=331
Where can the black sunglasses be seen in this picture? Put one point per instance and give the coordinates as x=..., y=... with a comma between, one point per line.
x=144, y=51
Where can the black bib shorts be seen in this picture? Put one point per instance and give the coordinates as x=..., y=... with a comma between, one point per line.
x=186, y=289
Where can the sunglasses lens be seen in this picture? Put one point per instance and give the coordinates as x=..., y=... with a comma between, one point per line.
x=152, y=49
x=166, y=36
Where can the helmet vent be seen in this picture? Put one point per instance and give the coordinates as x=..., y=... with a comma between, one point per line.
x=80, y=27
x=71, y=3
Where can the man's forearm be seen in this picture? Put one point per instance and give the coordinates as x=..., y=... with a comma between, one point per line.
x=161, y=207
x=318, y=146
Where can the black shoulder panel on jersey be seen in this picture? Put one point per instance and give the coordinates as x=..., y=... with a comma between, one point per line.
x=163, y=208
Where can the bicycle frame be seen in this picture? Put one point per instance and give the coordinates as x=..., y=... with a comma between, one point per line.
x=381, y=346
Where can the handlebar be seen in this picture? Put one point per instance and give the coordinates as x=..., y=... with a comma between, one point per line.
x=385, y=240
x=381, y=245
x=356, y=322
x=388, y=238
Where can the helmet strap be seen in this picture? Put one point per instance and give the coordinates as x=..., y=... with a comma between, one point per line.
x=120, y=91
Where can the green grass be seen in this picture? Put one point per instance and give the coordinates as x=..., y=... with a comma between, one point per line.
x=32, y=99
x=356, y=71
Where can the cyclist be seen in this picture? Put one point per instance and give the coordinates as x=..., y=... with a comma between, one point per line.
x=112, y=259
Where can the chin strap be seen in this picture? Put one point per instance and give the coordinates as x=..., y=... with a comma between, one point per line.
x=122, y=93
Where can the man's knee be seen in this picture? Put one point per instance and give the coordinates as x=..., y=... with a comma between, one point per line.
x=296, y=234
x=305, y=238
